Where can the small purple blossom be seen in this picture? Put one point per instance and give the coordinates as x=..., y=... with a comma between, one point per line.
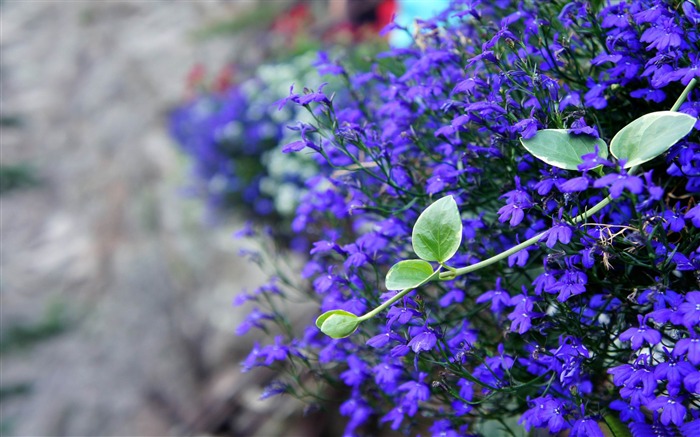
x=672, y=408
x=424, y=341
x=619, y=182
x=641, y=335
x=560, y=232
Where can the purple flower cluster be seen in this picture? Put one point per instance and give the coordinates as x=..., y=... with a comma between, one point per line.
x=225, y=141
x=601, y=318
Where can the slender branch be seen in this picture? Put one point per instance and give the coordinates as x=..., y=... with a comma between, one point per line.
x=686, y=91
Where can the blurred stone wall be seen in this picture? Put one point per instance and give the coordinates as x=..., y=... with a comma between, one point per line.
x=105, y=248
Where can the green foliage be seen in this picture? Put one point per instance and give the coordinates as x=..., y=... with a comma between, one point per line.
x=13, y=177
x=19, y=337
x=559, y=148
x=649, y=136
x=13, y=390
x=437, y=233
x=338, y=323
x=410, y=273
x=260, y=16
x=10, y=121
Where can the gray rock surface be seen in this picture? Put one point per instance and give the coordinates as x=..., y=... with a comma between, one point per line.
x=107, y=236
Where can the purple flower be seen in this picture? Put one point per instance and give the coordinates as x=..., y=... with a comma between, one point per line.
x=400, y=314
x=668, y=309
x=395, y=416
x=560, y=232
x=386, y=374
x=673, y=410
x=513, y=212
x=292, y=97
x=453, y=296
x=649, y=94
x=649, y=14
x=692, y=382
x=547, y=410
x=498, y=297
x=595, y=97
x=691, y=309
x=627, y=412
x=526, y=127
x=691, y=12
x=593, y=160
x=663, y=34
x=673, y=220
x=444, y=428
x=618, y=182
x=519, y=258
x=586, y=427
x=424, y=341
x=253, y=320
x=693, y=215
x=640, y=335
x=314, y=96
x=689, y=347
x=382, y=340
x=273, y=389
x=574, y=185
x=522, y=320
x=303, y=129
x=357, y=410
x=415, y=391
x=571, y=283
x=357, y=372
x=274, y=352
x=324, y=65
x=579, y=127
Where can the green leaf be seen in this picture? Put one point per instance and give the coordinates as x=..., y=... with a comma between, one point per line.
x=559, y=148
x=409, y=273
x=649, y=136
x=337, y=323
x=437, y=233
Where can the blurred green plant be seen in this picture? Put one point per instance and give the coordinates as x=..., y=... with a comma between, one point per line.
x=259, y=17
x=13, y=177
x=19, y=337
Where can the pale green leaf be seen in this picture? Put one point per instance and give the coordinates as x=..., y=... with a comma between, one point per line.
x=649, y=136
x=338, y=323
x=322, y=318
x=559, y=148
x=410, y=273
x=437, y=233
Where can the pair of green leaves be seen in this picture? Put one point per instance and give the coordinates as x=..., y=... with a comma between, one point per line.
x=640, y=141
x=436, y=237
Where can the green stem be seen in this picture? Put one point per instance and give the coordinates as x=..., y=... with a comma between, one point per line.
x=386, y=304
x=396, y=297
x=527, y=243
x=684, y=94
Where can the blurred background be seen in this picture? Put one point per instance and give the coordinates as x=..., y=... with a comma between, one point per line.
x=136, y=138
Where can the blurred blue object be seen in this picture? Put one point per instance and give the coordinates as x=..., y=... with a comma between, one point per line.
x=408, y=12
